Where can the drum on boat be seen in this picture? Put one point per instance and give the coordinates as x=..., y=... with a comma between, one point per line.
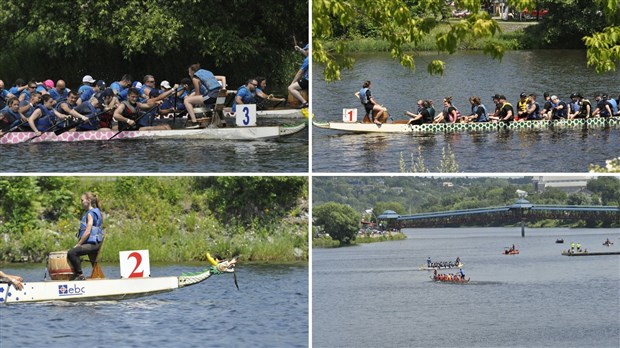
x=58, y=267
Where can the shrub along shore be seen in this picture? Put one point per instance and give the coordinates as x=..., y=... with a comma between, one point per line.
x=176, y=219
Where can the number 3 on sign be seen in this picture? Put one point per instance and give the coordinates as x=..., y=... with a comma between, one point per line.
x=349, y=115
x=135, y=264
x=246, y=115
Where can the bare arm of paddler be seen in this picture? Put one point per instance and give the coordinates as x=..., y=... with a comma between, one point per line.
x=13, y=279
x=69, y=112
x=31, y=121
x=118, y=115
x=89, y=226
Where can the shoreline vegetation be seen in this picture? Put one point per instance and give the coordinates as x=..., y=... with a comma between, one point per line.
x=325, y=241
x=262, y=219
x=512, y=36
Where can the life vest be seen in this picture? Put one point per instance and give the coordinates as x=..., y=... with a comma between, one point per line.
x=484, y=117
x=130, y=111
x=614, y=105
x=584, y=108
x=535, y=115
x=522, y=105
x=46, y=120
x=96, y=232
x=363, y=96
x=207, y=79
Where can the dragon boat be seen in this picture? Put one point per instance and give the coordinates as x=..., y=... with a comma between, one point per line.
x=432, y=268
x=225, y=133
x=357, y=127
x=107, y=289
x=445, y=279
x=510, y=252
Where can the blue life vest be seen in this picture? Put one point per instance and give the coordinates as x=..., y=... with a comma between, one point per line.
x=86, y=92
x=46, y=120
x=484, y=116
x=96, y=232
x=575, y=107
x=207, y=79
x=363, y=96
x=614, y=105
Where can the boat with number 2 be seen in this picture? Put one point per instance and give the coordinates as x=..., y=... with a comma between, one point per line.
x=106, y=289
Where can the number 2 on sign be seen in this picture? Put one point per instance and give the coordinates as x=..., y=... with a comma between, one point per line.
x=138, y=257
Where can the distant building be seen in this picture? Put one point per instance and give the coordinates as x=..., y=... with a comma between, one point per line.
x=568, y=184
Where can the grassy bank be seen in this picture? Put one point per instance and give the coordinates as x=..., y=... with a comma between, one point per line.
x=511, y=36
x=176, y=219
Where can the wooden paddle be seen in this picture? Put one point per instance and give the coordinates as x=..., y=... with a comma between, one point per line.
x=14, y=128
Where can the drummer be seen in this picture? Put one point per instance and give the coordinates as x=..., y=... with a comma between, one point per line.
x=90, y=234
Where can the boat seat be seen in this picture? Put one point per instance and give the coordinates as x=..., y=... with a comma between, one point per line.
x=96, y=273
x=214, y=116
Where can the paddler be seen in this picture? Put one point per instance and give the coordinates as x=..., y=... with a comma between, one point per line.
x=129, y=113
x=16, y=281
x=206, y=89
x=90, y=234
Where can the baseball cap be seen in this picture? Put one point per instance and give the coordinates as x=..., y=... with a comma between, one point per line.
x=48, y=84
x=165, y=84
x=496, y=96
x=154, y=93
x=502, y=97
x=137, y=84
x=88, y=78
x=101, y=84
x=523, y=95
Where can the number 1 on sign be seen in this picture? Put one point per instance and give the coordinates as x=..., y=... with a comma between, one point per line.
x=349, y=115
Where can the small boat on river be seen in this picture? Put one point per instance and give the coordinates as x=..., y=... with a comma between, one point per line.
x=445, y=278
x=357, y=127
x=445, y=266
x=106, y=289
x=508, y=251
x=587, y=253
x=559, y=241
x=608, y=243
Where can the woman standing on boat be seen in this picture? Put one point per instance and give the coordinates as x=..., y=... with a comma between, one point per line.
x=90, y=234
x=373, y=110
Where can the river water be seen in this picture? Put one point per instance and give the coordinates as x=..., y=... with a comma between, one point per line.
x=374, y=295
x=284, y=155
x=560, y=72
x=270, y=310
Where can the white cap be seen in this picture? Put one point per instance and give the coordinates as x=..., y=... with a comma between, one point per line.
x=88, y=79
x=165, y=84
x=554, y=97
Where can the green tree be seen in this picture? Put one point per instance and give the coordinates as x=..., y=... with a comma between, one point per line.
x=398, y=22
x=340, y=221
x=608, y=187
x=380, y=207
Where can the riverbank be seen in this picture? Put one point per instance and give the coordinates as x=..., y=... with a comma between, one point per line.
x=511, y=36
x=328, y=242
x=176, y=219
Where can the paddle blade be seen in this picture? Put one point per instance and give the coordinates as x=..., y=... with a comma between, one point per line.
x=235, y=277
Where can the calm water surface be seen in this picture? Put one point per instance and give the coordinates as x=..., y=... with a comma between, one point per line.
x=559, y=72
x=374, y=295
x=270, y=310
x=284, y=155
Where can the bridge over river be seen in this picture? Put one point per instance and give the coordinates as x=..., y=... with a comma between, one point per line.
x=521, y=211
